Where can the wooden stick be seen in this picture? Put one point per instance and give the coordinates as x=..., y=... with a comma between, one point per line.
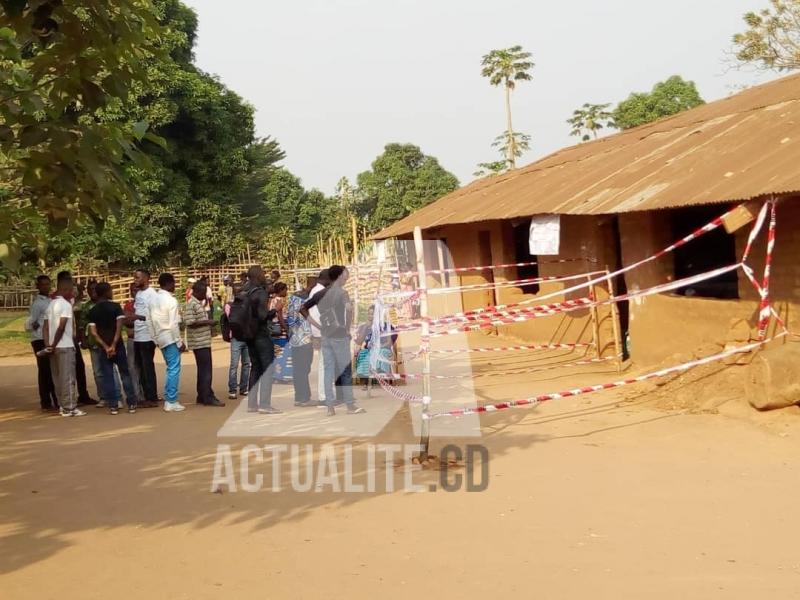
x=614, y=321
x=425, y=438
x=595, y=321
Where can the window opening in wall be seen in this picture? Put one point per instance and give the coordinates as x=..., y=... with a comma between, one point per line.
x=711, y=251
x=522, y=255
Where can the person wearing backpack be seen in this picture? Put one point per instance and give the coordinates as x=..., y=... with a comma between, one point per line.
x=250, y=320
x=335, y=319
x=239, y=351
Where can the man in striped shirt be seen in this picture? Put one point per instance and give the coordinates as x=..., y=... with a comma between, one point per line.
x=198, y=338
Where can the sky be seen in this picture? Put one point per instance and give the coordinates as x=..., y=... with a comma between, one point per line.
x=334, y=81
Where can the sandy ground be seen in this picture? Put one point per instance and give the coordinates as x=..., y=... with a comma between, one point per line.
x=601, y=497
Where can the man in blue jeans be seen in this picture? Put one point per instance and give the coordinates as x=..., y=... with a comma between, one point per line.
x=164, y=321
x=239, y=353
x=335, y=319
x=106, y=318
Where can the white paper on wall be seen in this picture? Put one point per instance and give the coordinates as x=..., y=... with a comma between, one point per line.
x=545, y=234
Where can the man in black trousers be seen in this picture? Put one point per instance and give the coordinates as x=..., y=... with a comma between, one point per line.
x=47, y=391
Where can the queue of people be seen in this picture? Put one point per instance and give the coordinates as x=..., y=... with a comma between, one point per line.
x=259, y=316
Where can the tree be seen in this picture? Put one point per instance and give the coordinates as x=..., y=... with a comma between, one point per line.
x=589, y=119
x=666, y=98
x=772, y=38
x=401, y=180
x=66, y=67
x=506, y=67
x=520, y=142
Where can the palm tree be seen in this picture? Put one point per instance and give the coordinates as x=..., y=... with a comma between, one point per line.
x=589, y=119
x=506, y=67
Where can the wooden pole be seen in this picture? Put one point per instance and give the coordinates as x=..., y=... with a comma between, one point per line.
x=354, y=230
x=377, y=295
x=419, y=250
x=595, y=321
x=614, y=320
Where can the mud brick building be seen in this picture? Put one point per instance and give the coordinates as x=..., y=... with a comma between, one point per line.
x=623, y=198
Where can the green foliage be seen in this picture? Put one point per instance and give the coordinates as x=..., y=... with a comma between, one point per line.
x=589, y=119
x=515, y=144
x=66, y=67
x=507, y=66
x=401, y=180
x=772, y=38
x=491, y=168
x=667, y=98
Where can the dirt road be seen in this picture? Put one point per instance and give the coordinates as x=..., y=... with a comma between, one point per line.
x=588, y=497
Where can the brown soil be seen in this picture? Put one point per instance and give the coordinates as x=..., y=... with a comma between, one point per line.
x=615, y=495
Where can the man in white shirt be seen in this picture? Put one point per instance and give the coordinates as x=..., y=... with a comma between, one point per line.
x=143, y=344
x=164, y=320
x=47, y=391
x=323, y=281
x=58, y=333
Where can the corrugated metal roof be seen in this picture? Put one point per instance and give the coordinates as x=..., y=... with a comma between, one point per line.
x=738, y=148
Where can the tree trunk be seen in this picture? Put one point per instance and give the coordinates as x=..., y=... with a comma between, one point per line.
x=510, y=150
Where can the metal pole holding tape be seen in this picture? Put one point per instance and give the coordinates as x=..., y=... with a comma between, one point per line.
x=422, y=282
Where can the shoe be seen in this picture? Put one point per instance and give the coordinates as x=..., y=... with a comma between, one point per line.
x=101, y=404
x=173, y=407
x=75, y=412
x=232, y=396
x=113, y=411
x=64, y=412
x=87, y=402
x=131, y=410
x=214, y=402
x=269, y=410
x=244, y=393
x=331, y=411
x=149, y=404
x=308, y=404
x=355, y=410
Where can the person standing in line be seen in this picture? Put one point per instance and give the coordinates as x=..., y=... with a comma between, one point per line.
x=198, y=336
x=300, y=342
x=106, y=318
x=59, y=338
x=47, y=391
x=260, y=347
x=336, y=318
x=143, y=342
x=130, y=349
x=164, y=320
x=239, y=351
x=280, y=330
x=323, y=281
x=78, y=301
x=88, y=341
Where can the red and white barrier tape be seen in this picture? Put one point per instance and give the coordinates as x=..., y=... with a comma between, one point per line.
x=509, y=314
x=502, y=266
x=393, y=391
x=580, y=363
x=508, y=348
x=571, y=305
x=513, y=283
x=765, y=309
x=602, y=386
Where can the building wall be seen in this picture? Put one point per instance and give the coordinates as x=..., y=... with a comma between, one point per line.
x=661, y=325
x=666, y=324
x=582, y=236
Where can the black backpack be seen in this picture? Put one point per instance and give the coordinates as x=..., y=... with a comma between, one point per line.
x=225, y=327
x=241, y=320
